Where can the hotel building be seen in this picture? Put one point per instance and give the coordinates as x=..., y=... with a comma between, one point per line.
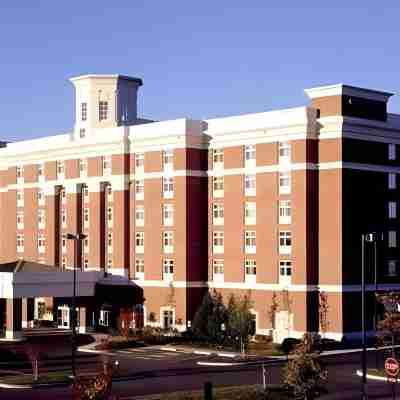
x=269, y=204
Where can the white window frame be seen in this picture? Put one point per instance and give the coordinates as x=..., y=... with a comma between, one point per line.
x=285, y=212
x=85, y=194
x=285, y=181
x=392, y=239
x=218, y=242
x=63, y=245
x=218, y=269
x=41, y=198
x=60, y=168
x=250, y=156
x=41, y=218
x=20, y=243
x=168, y=160
x=41, y=243
x=40, y=172
x=218, y=186
x=139, y=189
x=20, y=197
x=250, y=242
x=110, y=193
x=139, y=163
x=20, y=174
x=84, y=111
x=139, y=242
x=250, y=271
x=103, y=110
x=86, y=217
x=392, y=206
x=168, y=269
x=392, y=180
x=168, y=214
x=285, y=242
x=168, y=187
x=392, y=268
x=285, y=272
x=106, y=163
x=64, y=217
x=110, y=216
x=218, y=214
x=139, y=212
x=110, y=242
x=20, y=219
x=86, y=244
x=168, y=242
x=284, y=151
x=85, y=263
x=250, y=182
x=139, y=269
x=391, y=151
x=218, y=158
x=250, y=213
x=63, y=195
x=83, y=166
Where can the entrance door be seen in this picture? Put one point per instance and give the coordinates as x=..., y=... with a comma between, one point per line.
x=168, y=319
x=63, y=319
x=283, y=326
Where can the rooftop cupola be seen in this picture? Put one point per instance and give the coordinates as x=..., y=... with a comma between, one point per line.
x=104, y=101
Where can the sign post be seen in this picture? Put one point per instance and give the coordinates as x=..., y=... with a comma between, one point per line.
x=392, y=368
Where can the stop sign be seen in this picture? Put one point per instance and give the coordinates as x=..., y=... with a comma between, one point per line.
x=392, y=366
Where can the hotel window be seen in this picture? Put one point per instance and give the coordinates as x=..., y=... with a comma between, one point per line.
x=109, y=216
x=139, y=162
x=250, y=155
x=109, y=192
x=284, y=152
x=41, y=218
x=250, y=242
x=285, y=242
x=82, y=132
x=40, y=197
x=168, y=214
x=40, y=170
x=85, y=192
x=63, y=195
x=20, y=243
x=41, y=243
x=20, y=174
x=250, y=271
x=85, y=263
x=218, y=242
x=139, y=189
x=250, y=213
x=392, y=236
x=285, y=272
x=64, y=245
x=284, y=182
x=218, y=186
x=168, y=188
x=110, y=242
x=103, y=110
x=86, y=212
x=392, y=180
x=218, y=158
x=60, y=169
x=140, y=215
x=64, y=217
x=86, y=245
x=391, y=151
x=285, y=212
x=64, y=263
x=392, y=268
x=82, y=162
x=250, y=185
x=83, y=111
x=168, y=270
x=168, y=242
x=392, y=209
x=218, y=214
x=106, y=162
x=109, y=263
x=218, y=269
x=139, y=269
x=139, y=242
x=168, y=159
x=20, y=198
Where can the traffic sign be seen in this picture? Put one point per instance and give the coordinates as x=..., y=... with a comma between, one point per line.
x=392, y=367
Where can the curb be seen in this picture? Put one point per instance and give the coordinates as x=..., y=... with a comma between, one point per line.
x=221, y=364
x=38, y=386
x=372, y=377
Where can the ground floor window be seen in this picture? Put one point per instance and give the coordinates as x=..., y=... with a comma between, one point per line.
x=105, y=317
x=168, y=318
x=41, y=309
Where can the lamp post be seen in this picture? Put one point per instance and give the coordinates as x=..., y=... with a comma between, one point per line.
x=76, y=238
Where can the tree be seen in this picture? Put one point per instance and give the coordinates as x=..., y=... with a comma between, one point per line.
x=273, y=309
x=304, y=372
x=323, y=312
x=240, y=319
x=200, y=321
x=390, y=324
x=287, y=306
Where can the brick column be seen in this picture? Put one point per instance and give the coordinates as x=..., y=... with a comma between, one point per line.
x=52, y=230
x=82, y=320
x=14, y=319
x=28, y=308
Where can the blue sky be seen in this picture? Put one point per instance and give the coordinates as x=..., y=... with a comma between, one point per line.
x=198, y=59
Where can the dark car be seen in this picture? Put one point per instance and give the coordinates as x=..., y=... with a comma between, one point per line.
x=289, y=345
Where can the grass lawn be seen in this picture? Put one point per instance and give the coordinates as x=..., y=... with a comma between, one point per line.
x=253, y=392
x=27, y=379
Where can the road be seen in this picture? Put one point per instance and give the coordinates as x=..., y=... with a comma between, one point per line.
x=156, y=371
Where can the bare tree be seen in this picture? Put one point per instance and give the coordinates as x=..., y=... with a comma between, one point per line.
x=323, y=312
x=390, y=324
x=273, y=309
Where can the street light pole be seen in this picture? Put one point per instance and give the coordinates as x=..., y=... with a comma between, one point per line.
x=76, y=238
x=364, y=347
